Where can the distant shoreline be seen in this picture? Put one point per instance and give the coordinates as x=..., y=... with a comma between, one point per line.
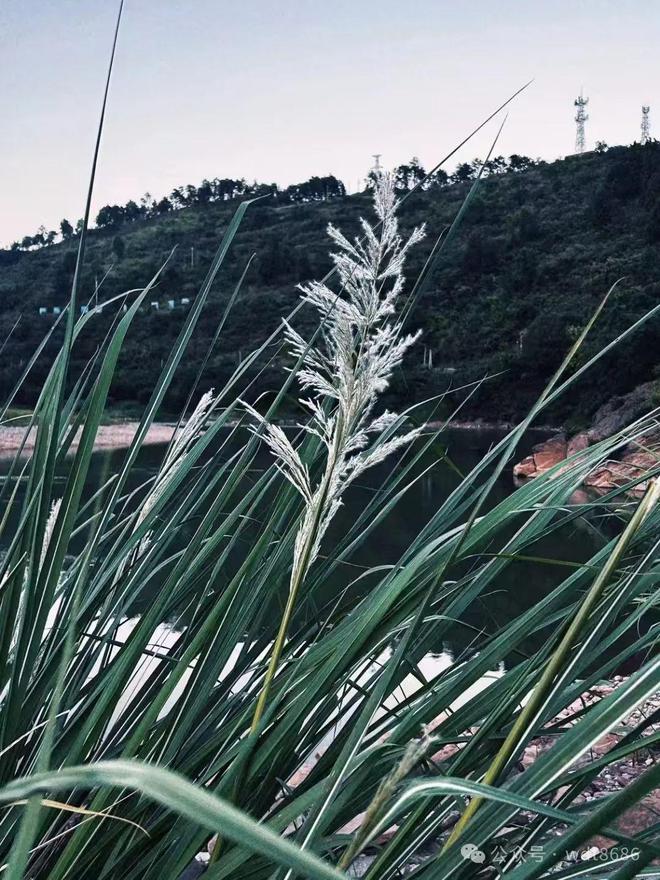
x=119, y=435
x=112, y=436
x=480, y=425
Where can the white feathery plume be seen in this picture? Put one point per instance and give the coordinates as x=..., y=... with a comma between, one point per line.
x=351, y=367
x=48, y=531
x=192, y=428
x=344, y=375
x=174, y=459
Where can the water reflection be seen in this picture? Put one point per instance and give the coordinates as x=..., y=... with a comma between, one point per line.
x=517, y=588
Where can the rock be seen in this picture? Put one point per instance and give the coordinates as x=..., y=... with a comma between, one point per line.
x=633, y=464
x=544, y=456
x=578, y=443
x=617, y=473
x=525, y=468
x=360, y=866
x=548, y=454
x=603, y=478
x=620, y=411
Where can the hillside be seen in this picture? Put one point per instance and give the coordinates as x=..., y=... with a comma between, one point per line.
x=533, y=256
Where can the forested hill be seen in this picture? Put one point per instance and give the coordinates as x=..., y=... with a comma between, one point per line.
x=537, y=249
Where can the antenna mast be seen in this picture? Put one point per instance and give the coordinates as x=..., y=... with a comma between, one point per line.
x=581, y=117
x=646, y=125
x=374, y=171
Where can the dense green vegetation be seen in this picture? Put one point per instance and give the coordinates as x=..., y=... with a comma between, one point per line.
x=537, y=248
x=186, y=652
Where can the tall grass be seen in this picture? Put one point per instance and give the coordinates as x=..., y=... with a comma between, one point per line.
x=157, y=688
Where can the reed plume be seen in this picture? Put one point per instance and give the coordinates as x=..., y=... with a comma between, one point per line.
x=341, y=378
x=176, y=454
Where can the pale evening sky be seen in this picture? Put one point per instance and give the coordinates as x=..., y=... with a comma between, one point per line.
x=278, y=91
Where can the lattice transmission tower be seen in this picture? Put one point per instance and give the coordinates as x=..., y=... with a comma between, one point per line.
x=646, y=125
x=374, y=171
x=581, y=117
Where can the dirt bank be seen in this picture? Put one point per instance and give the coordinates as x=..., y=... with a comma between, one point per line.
x=115, y=436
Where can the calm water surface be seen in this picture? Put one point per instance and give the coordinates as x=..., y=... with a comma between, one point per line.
x=518, y=588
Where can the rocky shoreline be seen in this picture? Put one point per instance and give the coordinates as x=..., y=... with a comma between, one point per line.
x=632, y=464
x=611, y=779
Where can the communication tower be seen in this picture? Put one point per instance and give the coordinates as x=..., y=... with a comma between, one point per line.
x=646, y=125
x=581, y=117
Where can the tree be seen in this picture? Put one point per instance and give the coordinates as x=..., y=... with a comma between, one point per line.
x=260, y=189
x=164, y=206
x=178, y=198
x=519, y=163
x=132, y=211
x=624, y=178
x=147, y=203
x=333, y=187
x=496, y=165
x=524, y=226
x=40, y=238
x=110, y=216
x=406, y=177
x=314, y=190
x=204, y=192
x=118, y=247
x=546, y=341
x=463, y=172
x=304, y=269
x=274, y=263
x=439, y=178
x=401, y=177
x=66, y=229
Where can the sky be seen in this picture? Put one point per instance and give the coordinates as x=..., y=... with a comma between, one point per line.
x=278, y=90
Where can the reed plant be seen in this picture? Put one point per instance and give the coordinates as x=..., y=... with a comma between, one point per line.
x=175, y=663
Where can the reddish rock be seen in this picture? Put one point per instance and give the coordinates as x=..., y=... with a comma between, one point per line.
x=578, y=443
x=544, y=456
x=525, y=468
x=616, y=473
x=633, y=464
x=550, y=453
x=600, y=479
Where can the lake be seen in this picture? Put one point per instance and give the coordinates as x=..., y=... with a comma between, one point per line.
x=519, y=587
